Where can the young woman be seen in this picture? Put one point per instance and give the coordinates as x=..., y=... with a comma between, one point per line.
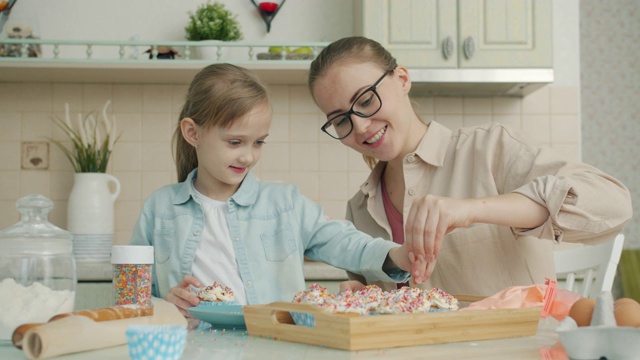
x=219, y=223
x=478, y=203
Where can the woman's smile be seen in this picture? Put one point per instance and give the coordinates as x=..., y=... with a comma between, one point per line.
x=375, y=139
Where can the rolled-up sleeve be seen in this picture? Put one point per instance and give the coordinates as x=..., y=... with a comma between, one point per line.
x=585, y=204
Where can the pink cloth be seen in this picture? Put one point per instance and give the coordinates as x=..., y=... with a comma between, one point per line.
x=516, y=297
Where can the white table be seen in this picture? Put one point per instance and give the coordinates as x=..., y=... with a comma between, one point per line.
x=237, y=344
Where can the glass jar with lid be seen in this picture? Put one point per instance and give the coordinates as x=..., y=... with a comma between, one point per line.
x=37, y=268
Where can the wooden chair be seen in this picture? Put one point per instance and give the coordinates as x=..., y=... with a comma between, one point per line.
x=590, y=269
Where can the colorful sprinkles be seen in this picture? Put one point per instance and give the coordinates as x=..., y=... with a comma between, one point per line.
x=373, y=300
x=132, y=284
x=216, y=293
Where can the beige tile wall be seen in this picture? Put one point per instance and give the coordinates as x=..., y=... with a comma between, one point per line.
x=296, y=150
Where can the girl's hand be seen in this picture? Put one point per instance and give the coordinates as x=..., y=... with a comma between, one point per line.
x=352, y=285
x=429, y=220
x=181, y=295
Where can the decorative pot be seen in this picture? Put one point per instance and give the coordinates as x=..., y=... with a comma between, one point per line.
x=216, y=51
x=211, y=53
x=90, y=215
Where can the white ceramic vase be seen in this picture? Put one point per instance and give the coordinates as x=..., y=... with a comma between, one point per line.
x=90, y=214
x=211, y=53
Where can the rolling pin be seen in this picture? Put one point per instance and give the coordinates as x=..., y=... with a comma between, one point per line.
x=100, y=314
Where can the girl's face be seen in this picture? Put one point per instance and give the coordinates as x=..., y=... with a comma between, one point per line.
x=384, y=135
x=226, y=155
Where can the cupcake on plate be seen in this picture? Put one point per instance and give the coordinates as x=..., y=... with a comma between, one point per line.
x=216, y=294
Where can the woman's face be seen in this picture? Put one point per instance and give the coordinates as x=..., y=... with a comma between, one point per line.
x=383, y=135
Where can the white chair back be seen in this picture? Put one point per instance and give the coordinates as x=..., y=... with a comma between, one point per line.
x=590, y=269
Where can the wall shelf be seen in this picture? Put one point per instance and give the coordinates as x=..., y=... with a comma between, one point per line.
x=156, y=72
x=75, y=61
x=127, y=63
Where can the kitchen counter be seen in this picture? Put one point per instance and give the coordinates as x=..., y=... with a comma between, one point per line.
x=101, y=271
x=237, y=344
x=94, y=288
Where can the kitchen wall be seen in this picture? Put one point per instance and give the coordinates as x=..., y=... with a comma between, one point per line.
x=296, y=152
x=610, y=83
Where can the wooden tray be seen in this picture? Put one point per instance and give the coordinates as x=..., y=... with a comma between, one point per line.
x=354, y=332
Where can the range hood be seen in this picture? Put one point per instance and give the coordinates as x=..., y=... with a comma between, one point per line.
x=478, y=82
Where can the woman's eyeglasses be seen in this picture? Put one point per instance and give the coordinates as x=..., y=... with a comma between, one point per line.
x=365, y=105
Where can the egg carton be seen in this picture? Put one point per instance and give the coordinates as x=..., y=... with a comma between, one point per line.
x=603, y=338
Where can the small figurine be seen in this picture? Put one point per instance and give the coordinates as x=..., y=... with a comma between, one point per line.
x=164, y=52
x=19, y=31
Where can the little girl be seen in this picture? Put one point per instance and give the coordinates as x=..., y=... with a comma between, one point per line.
x=219, y=223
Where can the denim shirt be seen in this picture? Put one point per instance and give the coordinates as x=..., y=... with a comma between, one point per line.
x=272, y=227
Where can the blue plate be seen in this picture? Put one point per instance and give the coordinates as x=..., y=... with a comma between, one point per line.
x=220, y=316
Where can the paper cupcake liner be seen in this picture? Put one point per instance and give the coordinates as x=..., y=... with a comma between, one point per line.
x=303, y=319
x=158, y=342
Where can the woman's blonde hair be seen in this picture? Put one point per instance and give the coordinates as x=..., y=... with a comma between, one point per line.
x=356, y=50
x=219, y=95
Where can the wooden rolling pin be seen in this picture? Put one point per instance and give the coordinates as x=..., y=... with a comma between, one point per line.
x=100, y=314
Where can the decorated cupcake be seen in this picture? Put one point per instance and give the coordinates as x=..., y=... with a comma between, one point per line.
x=216, y=294
x=317, y=295
x=441, y=300
x=373, y=300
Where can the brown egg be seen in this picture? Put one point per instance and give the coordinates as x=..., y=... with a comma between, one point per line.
x=627, y=312
x=582, y=310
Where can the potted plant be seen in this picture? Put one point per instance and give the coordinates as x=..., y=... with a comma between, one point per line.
x=212, y=21
x=92, y=140
x=90, y=206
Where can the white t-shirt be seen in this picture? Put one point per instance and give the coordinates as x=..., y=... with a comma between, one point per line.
x=215, y=258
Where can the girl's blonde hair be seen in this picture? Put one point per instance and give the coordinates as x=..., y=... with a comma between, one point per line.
x=356, y=50
x=219, y=95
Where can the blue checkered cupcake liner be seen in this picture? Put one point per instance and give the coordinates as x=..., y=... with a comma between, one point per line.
x=303, y=319
x=156, y=342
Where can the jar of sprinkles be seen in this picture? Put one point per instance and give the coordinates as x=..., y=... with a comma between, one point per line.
x=132, y=266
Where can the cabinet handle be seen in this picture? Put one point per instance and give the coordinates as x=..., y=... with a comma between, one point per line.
x=469, y=47
x=447, y=47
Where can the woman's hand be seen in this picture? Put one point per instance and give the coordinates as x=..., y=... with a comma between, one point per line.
x=418, y=267
x=353, y=285
x=181, y=295
x=430, y=219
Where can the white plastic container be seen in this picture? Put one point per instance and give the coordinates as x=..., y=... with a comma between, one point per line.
x=132, y=274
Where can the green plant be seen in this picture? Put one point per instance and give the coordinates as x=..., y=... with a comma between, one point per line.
x=213, y=22
x=89, y=151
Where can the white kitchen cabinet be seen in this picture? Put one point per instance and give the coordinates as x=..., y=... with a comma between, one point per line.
x=460, y=34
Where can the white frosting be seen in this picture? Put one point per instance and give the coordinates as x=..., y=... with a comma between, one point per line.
x=216, y=292
x=442, y=300
x=372, y=300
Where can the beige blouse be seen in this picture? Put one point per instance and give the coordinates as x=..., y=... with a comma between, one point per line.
x=586, y=205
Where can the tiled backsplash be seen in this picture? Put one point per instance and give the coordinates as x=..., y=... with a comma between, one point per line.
x=296, y=151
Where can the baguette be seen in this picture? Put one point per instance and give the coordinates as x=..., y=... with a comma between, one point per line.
x=100, y=314
x=110, y=313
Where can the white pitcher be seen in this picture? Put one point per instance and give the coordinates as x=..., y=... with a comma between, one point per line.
x=91, y=203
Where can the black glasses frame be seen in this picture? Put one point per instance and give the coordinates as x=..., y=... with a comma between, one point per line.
x=347, y=114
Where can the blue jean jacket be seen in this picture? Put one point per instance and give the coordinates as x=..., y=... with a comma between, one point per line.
x=272, y=227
